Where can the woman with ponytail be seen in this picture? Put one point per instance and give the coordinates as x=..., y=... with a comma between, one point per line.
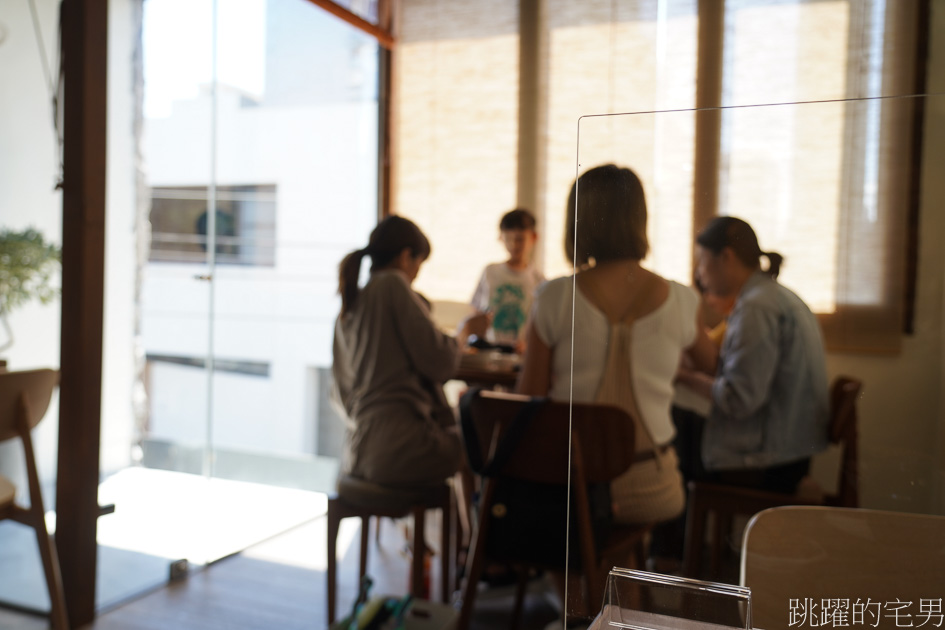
x=390, y=361
x=769, y=395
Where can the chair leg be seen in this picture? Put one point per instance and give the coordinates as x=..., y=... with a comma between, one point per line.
x=464, y=486
x=694, y=536
x=446, y=548
x=419, y=553
x=640, y=552
x=519, y=598
x=460, y=549
x=723, y=529
x=362, y=561
x=47, y=550
x=476, y=552
x=334, y=519
x=594, y=577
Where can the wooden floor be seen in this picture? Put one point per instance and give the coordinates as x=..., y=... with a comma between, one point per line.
x=281, y=584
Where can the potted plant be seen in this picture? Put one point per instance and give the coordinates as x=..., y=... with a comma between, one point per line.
x=27, y=263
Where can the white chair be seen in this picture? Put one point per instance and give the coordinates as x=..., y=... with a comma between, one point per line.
x=24, y=398
x=798, y=557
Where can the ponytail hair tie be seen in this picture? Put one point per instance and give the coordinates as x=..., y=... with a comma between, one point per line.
x=774, y=263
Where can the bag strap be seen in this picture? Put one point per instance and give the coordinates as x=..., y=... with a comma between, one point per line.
x=506, y=447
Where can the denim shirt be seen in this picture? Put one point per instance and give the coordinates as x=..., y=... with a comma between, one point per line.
x=770, y=402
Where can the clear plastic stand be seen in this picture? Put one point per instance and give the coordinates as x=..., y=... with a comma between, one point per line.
x=638, y=600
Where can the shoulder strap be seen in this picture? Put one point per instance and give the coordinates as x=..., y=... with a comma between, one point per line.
x=510, y=439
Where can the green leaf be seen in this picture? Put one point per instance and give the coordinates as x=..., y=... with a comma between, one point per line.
x=27, y=264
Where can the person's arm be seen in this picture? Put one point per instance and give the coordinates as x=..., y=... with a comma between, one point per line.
x=535, y=379
x=699, y=382
x=749, y=362
x=480, y=298
x=703, y=354
x=432, y=353
x=476, y=324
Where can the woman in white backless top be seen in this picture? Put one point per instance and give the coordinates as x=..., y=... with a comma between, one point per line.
x=630, y=330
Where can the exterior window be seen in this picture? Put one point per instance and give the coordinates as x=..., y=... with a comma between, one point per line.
x=245, y=224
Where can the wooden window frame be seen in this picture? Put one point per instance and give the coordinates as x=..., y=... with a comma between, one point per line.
x=891, y=320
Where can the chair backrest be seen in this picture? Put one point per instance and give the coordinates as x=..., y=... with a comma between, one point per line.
x=37, y=385
x=601, y=437
x=794, y=558
x=522, y=509
x=843, y=432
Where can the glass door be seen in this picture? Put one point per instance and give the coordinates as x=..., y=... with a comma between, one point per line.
x=258, y=145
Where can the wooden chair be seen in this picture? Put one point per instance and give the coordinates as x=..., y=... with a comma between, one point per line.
x=728, y=501
x=362, y=499
x=794, y=558
x=24, y=399
x=600, y=441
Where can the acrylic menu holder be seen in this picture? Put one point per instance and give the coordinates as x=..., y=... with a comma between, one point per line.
x=638, y=600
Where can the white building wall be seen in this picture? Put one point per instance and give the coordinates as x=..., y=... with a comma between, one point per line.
x=281, y=315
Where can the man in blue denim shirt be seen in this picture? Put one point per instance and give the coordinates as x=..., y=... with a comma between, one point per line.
x=770, y=405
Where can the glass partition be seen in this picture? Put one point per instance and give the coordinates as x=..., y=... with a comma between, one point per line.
x=831, y=185
x=641, y=599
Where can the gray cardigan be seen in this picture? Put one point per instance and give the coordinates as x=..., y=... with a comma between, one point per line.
x=390, y=361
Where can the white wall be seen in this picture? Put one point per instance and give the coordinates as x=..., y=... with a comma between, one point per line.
x=28, y=174
x=118, y=364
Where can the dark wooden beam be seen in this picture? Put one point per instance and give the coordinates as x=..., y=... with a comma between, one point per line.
x=84, y=55
x=709, y=120
x=385, y=115
x=384, y=37
x=529, y=104
x=922, y=21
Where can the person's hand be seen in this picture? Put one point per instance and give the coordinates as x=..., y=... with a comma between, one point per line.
x=476, y=324
x=699, y=382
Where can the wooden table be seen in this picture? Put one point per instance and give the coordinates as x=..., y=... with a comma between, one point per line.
x=485, y=373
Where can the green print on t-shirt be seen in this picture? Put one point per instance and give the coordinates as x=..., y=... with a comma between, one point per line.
x=507, y=312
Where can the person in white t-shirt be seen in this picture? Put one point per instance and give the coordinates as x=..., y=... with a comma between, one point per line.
x=506, y=289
